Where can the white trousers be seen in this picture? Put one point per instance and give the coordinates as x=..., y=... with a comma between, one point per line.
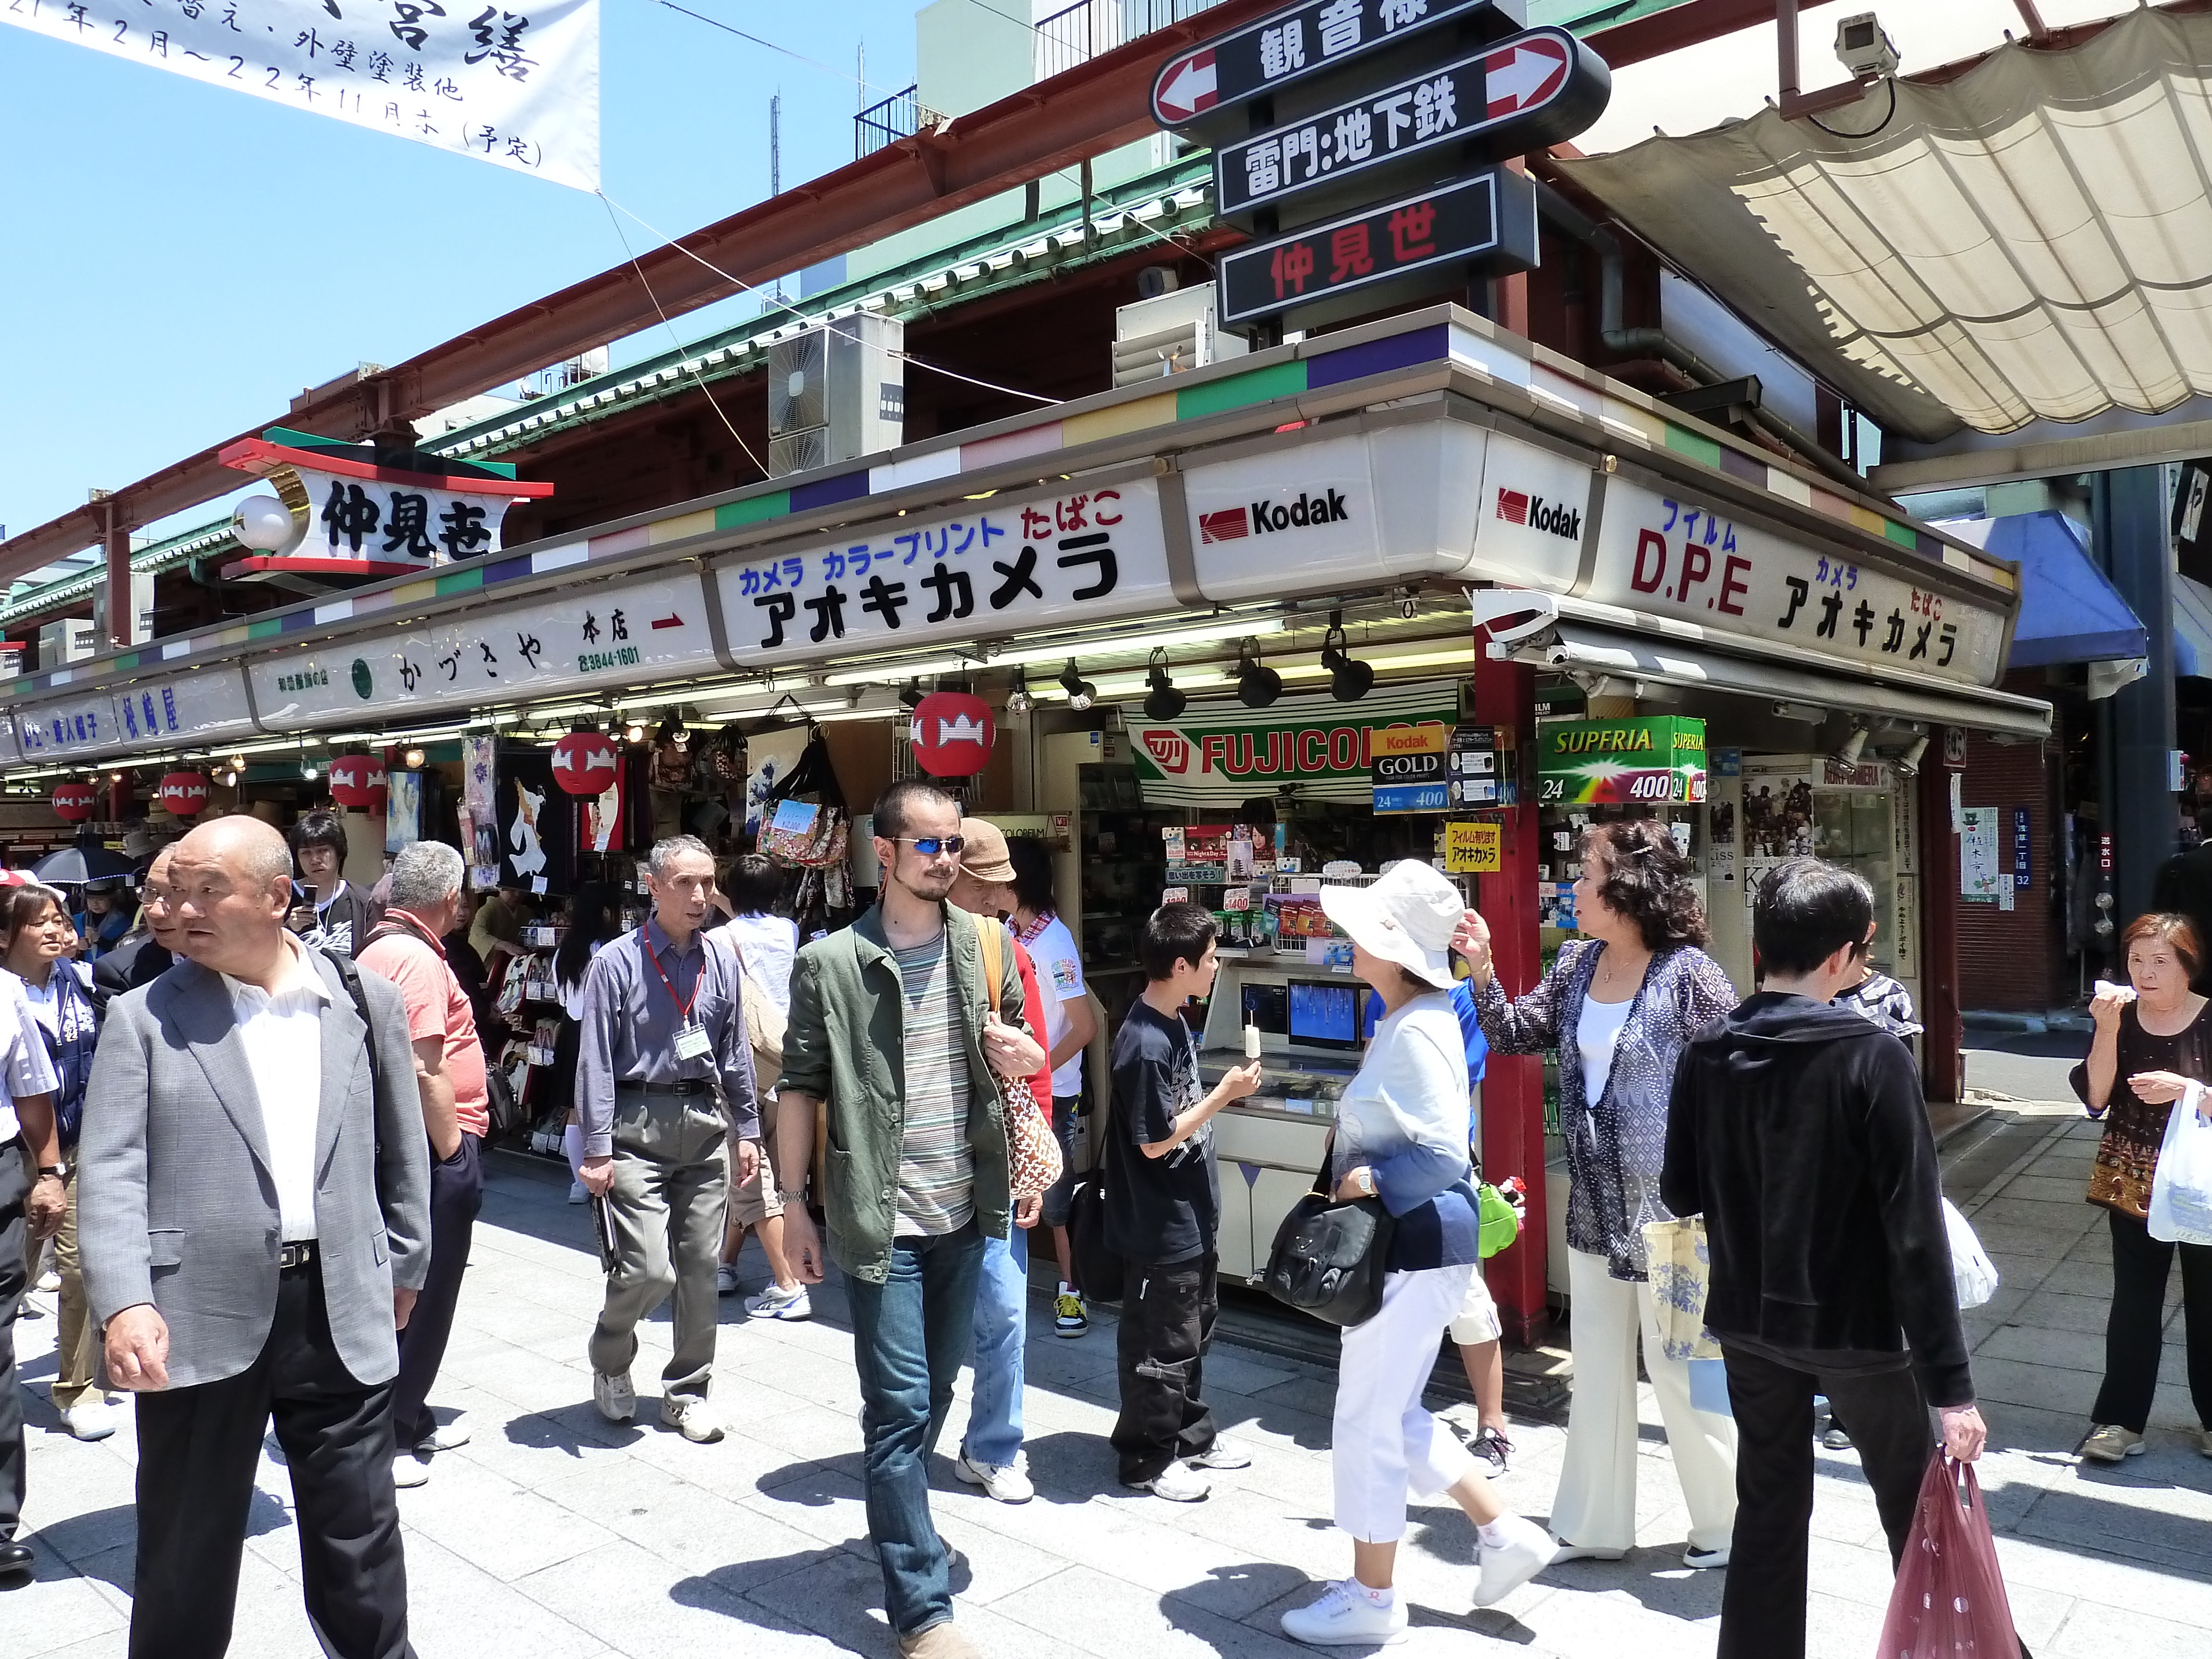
x=1596, y=1504
x=1383, y=1441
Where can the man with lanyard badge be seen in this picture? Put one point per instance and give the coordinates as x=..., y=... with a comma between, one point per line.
x=663, y=1087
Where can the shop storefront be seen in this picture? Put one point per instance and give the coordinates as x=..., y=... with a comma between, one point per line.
x=1276, y=626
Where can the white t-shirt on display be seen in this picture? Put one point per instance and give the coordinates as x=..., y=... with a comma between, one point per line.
x=1597, y=1034
x=1059, y=974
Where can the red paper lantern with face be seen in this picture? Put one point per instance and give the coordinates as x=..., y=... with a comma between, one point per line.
x=953, y=733
x=75, y=802
x=184, y=794
x=358, y=780
x=585, y=763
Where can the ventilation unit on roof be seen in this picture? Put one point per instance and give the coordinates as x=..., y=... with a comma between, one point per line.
x=1168, y=335
x=836, y=393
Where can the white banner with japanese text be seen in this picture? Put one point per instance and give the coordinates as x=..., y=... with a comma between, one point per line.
x=1089, y=555
x=518, y=88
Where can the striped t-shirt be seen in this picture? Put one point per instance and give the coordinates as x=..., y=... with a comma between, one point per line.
x=936, y=1170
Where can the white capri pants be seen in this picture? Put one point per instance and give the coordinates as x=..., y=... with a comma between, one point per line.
x=1384, y=1442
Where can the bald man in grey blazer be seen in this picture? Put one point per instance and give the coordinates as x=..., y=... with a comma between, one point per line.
x=254, y=1207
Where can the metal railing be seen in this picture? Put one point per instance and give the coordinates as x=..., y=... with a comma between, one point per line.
x=1091, y=27
x=896, y=117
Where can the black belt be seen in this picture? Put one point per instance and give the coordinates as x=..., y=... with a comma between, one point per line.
x=691, y=1086
x=301, y=1253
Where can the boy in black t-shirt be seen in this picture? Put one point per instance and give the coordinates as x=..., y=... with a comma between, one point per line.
x=1163, y=1200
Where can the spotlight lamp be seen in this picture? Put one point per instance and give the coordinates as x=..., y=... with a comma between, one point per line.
x=672, y=729
x=1018, y=699
x=911, y=693
x=412, y=760
x=1257, y=685
x=1848, y=753
x=1348, y=678
x=1908, y=763
x=1163, y=701
x=633, y=732
x=1081, y=693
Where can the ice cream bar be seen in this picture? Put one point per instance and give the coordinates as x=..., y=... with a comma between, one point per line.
x=1251, y=1042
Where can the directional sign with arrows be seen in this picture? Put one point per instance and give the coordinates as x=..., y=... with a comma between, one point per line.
x=1524, y=91
x=1202, y=88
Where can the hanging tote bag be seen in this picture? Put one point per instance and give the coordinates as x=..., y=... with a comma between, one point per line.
x=1329, y=1256
x=1949, y=1598
x=1032, y=1153
x=1971, y=1270
x=1680, y=1269
x=2181, y=1187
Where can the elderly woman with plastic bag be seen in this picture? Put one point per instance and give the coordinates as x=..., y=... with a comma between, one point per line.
x=2152, y=1051
x=1616, y=1008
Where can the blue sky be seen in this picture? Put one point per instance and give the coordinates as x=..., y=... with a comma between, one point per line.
x=181, y=261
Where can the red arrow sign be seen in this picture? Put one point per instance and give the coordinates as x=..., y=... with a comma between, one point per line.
x=671, y=620
x=1186, y=87
x=1524, y=73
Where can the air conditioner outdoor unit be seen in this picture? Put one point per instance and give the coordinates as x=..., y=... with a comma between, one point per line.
x=836, y=393
x=70, y=641
x=1170, y=335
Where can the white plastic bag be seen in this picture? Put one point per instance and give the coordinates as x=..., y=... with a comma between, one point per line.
x=1971, y=1267
x=2181, y=1191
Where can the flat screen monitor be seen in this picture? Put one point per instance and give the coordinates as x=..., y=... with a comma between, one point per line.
x=1325, y=1016
x=1267, y=1007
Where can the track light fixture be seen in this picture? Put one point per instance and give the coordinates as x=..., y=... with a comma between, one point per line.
x=412, y=760
x=1018, y=701
x=1257, y=685
x=1348, y=678
x=672, y=729
x=1908, y=763
x=1163, y=701
x=1081, y=693
x=1847, y=752
x=634, y=732
x=910, y=694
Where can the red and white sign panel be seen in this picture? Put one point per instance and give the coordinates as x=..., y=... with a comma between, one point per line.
x=358, y=781
x=585, y=763
x=73, y=801
x=184, y=794
x=953, y=732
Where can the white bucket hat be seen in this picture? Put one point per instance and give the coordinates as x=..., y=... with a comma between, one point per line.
x=1408, y=917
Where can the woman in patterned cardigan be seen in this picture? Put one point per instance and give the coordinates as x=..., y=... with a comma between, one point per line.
x=1616, y=1008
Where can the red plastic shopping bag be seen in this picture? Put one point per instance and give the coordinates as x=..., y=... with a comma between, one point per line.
x=1949, y=1601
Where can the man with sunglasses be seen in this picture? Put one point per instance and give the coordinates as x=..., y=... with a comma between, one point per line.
x=892, y=1026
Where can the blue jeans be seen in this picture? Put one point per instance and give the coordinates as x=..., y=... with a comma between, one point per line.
x=1002, y=1310
x=911, y=1334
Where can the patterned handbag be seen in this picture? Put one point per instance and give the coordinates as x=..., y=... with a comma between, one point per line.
x=1032, y=1154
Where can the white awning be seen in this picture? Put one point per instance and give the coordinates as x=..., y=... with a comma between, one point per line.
x=2032, y=240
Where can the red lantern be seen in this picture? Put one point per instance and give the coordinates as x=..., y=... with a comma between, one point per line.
x=184, y=794
x=358, y=780
x=953, y=733
x=585, y=763
x=75, y=801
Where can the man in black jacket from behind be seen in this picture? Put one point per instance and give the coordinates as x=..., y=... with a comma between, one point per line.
x=1799, y=1131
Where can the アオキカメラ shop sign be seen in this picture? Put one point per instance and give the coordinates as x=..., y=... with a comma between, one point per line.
x=1318, y=748
x=1650, y=759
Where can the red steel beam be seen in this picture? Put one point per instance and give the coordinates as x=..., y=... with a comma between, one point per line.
x=1094, y=108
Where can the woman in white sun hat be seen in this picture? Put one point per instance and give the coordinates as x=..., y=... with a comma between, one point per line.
x=1401, y=1136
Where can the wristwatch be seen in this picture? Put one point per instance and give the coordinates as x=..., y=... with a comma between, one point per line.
x=58, y=1171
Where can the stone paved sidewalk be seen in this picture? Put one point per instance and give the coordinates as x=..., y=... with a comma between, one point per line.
x=555, y=1534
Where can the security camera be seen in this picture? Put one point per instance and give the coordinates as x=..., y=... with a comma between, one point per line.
x=1862, y=47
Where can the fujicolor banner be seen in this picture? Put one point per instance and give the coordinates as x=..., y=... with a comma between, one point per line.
x=1649, y=758
x=1222, y=754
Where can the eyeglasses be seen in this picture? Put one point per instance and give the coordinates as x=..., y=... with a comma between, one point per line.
x=931, y=845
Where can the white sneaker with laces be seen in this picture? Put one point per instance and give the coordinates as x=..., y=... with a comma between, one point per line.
x=1527, y=1551
x=1005, y=1483
x=90, y=1419
x=692, y=1417
x=1345, y=1615
x=446, y=1436
x=725, y=1280
x=614, y=1396
x=776, y=1303
x=408, y=1470
x=1701, y=1559
x=1222, y=1454
x=1178, y=1483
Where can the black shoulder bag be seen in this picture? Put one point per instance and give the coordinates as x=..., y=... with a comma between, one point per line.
x=1329, y=1256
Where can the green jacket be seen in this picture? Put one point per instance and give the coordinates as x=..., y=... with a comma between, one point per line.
x=844, y=1045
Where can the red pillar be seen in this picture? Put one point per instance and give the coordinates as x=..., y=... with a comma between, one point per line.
x=1513, y=1087
x=117, y=544
x=1943, y=1061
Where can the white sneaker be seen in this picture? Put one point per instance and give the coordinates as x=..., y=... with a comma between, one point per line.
x=1222, y=1454
x=90, y=1419
x=776, y=1303
x=689, y=1415
x=577, y=1193
x=1344, y=1616
x=1527, y=1551
x=1006, y=1483
x=614, y=1396
x=1565, y=1551
x=1694, y=1557
x=49, y=1281
x=408, y=1470
x=446, y=1436
x=1178, y=1483
x=725, y=1280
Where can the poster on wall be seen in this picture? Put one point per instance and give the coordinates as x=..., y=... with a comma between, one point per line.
x=1222, y=754
x=602, y=826
x=768, y=760
x=536, y=838
x=1983, y=877
x=402, y=810
x=1777, y=816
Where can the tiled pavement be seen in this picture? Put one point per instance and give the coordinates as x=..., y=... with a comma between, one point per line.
x=555, y=1534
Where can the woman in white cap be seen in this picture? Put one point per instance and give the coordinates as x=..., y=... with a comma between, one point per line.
x=1401, y=1136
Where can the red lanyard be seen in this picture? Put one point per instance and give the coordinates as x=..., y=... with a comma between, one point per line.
x=683, y=1005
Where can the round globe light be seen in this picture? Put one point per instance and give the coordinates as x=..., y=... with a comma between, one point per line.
x=263, y=524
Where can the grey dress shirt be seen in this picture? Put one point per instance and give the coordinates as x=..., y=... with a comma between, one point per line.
x=630, y=1021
